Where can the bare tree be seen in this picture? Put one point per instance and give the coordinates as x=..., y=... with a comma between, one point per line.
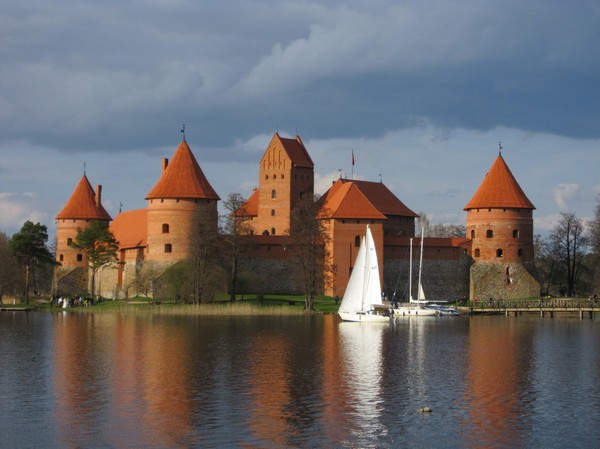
x=569, y=244
x=235, y=229
x=308, y=248
x=447, y=230
x=594, y=227
x=204, y=249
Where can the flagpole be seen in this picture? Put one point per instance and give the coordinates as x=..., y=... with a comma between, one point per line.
x=352, y=165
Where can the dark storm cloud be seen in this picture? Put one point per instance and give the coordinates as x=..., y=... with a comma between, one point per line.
x=113, y=76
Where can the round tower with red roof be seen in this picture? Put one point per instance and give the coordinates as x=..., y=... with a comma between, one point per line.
x=182, y=207
x=500, y=226
x=83, y=207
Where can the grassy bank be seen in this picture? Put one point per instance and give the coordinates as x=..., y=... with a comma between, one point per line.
x=248, y=305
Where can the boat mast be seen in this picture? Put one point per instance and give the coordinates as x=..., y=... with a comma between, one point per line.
x=420, y=267
x=410, y=257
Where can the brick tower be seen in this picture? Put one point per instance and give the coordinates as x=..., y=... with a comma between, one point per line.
x=286, y=174
x=346, y=208
x=181, y=205
x=84, y=206
x=500, y=226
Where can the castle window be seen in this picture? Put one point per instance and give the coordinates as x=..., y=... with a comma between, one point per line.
x=69, y=241
x=265, y=232
x=61, y=258
x=79, y=257
x=489, y=234
x=357, y=241
x=515, y=233
x=472, y=233
x=165, y=228
x=272, y=212
x=301, y=194
x=266, y=176
x=274, y=176
x=273, y=194
x=477, y=253
x=282, y=176
x=499, y=252
x=520, y=252
x=168, y=248
x=273, y=231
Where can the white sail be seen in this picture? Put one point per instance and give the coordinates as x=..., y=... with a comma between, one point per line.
x=364, y=287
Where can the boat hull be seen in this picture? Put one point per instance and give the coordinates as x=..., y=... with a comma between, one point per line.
x=364, y=317
x=414, y=311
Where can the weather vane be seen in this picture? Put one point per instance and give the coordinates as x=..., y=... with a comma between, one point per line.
x=183, y=132
x=84, y=167
x=499, y=147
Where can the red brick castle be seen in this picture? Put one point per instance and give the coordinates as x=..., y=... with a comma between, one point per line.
x=494, y=259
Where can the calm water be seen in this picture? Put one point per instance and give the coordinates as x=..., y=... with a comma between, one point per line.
x=128, y=381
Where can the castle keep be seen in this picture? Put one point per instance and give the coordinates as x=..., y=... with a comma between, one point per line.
x=494, y=259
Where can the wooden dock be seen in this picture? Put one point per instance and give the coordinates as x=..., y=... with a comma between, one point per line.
x=543, y=308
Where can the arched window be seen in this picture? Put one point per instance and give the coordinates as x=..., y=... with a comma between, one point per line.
x=357, y=241
x=168, y=248
x=69, y=241
x=273, y=194
x=165, y=228
x=472, y=233
x=477, y=252
x=266, y=176
x=61, y=258
x=273, y=231
x=272, y=212
x=265, y=232
x=489, y=233
x=515, y=233
x=79, y=257
x=499, y=252
x=274, y=176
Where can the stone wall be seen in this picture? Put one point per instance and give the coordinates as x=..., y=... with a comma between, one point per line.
x=442, y=280
x=503, y=281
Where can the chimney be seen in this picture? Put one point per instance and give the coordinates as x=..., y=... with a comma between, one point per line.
x=164, y=163
x=98, y=195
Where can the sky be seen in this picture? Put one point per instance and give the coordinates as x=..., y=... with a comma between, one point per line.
x=422, y=92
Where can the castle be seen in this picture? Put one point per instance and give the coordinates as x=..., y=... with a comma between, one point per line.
x=494, y=259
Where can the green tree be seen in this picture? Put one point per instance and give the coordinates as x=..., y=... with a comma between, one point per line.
x=99, y=244
x=9, y=267
x=29, y=245
x=235, y=229
x=569, y=245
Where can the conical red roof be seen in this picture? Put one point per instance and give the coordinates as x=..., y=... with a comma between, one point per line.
x=82, y=204
x=183, y=178
x=499, y=189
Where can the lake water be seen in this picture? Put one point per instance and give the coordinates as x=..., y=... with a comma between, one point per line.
x=102, y=380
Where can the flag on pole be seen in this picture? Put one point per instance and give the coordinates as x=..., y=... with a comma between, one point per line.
x=353, y=158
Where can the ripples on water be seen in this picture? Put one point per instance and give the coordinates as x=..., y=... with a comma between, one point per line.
x=109, y=380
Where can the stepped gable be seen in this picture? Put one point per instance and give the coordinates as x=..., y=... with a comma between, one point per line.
x=346, y=200
x=499, y=189
x=83, y=204
x=296, y=151
x=183, y=178
x=131, y=228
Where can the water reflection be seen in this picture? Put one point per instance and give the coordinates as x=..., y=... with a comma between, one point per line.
x=498, y=366
x=361, y=374
x=110, y=380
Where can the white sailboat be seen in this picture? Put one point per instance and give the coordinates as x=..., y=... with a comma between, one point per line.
x=415, y=306
x=363, y=293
